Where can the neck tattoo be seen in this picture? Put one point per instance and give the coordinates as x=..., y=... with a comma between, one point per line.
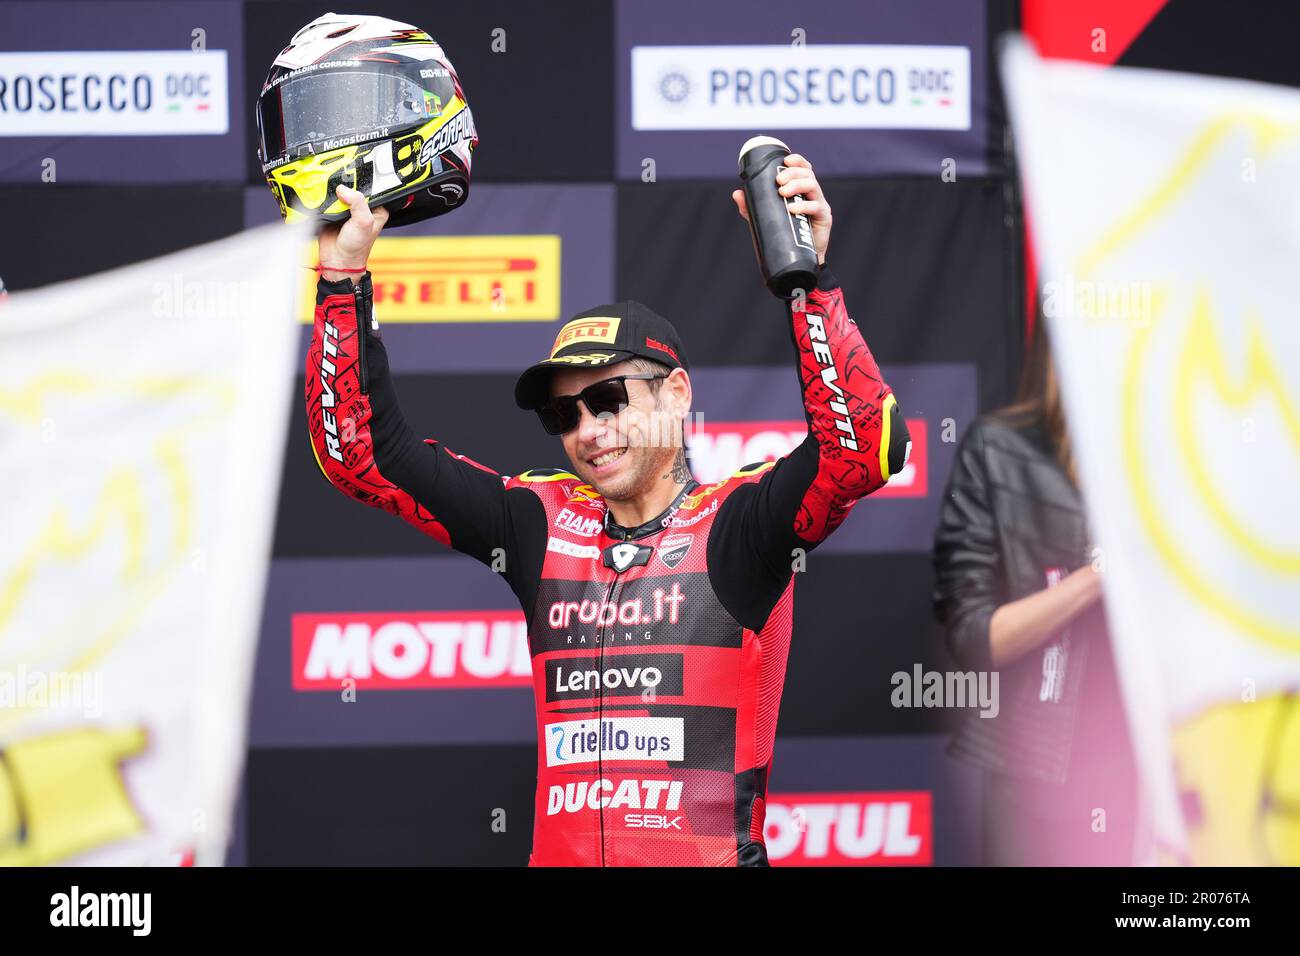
x=680, y=472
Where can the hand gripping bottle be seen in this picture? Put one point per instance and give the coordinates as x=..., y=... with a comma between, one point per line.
x=783, y=241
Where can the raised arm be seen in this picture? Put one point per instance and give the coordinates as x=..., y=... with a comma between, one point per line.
x=364, y=444
x=856, y=436
x=856, y=440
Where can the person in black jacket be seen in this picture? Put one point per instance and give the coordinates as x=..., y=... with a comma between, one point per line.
x=1018, y=591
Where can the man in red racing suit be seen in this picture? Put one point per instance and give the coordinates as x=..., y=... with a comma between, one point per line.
x=659, y=614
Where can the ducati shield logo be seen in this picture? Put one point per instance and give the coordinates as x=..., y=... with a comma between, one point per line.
x=620, y=557
x=673, y=548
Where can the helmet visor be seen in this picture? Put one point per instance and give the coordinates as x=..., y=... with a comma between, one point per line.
x=341, y=103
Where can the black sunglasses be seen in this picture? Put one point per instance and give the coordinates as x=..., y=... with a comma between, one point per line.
x=609, y=397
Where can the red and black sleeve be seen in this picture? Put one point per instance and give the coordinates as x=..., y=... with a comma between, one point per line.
x=856, y=440
x=366, y=448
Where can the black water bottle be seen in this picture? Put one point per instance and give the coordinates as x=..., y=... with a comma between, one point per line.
x=783, y=241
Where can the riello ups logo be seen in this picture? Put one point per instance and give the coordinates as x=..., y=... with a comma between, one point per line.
x=463, y=279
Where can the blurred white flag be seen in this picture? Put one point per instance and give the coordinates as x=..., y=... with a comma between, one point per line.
x=142, y=427
x=1166, y=213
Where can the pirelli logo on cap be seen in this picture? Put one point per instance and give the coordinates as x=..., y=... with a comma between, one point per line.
x=596, y=328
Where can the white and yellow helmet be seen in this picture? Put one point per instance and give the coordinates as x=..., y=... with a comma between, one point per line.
x=369, y=103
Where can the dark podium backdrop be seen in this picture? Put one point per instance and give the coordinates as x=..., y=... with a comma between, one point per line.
x=579, y=199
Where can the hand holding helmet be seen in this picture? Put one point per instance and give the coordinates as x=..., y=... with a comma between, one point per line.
x=345, y=246
x=371, y=104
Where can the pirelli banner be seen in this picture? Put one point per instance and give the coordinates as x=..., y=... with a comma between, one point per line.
x=484, y=289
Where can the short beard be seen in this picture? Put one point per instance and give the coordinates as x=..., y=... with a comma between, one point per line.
x=641, y=476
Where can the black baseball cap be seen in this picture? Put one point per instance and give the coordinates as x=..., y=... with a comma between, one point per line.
x=605, y=335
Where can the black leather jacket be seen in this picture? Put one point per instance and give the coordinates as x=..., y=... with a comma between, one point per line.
x=1010, y=516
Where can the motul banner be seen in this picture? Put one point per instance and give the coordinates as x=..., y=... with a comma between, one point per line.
x=849, y=829
x=142, y=433
x=429, y=650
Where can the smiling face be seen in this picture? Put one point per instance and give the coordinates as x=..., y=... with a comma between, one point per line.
x=623, y=455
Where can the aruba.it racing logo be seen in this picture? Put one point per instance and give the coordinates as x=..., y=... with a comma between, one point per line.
x=662, y=605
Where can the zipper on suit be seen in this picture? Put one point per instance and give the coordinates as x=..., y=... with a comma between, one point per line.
x=600, y=705
x=363, y=328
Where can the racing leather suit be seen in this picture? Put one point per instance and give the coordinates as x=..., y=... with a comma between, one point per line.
x=658, y=652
